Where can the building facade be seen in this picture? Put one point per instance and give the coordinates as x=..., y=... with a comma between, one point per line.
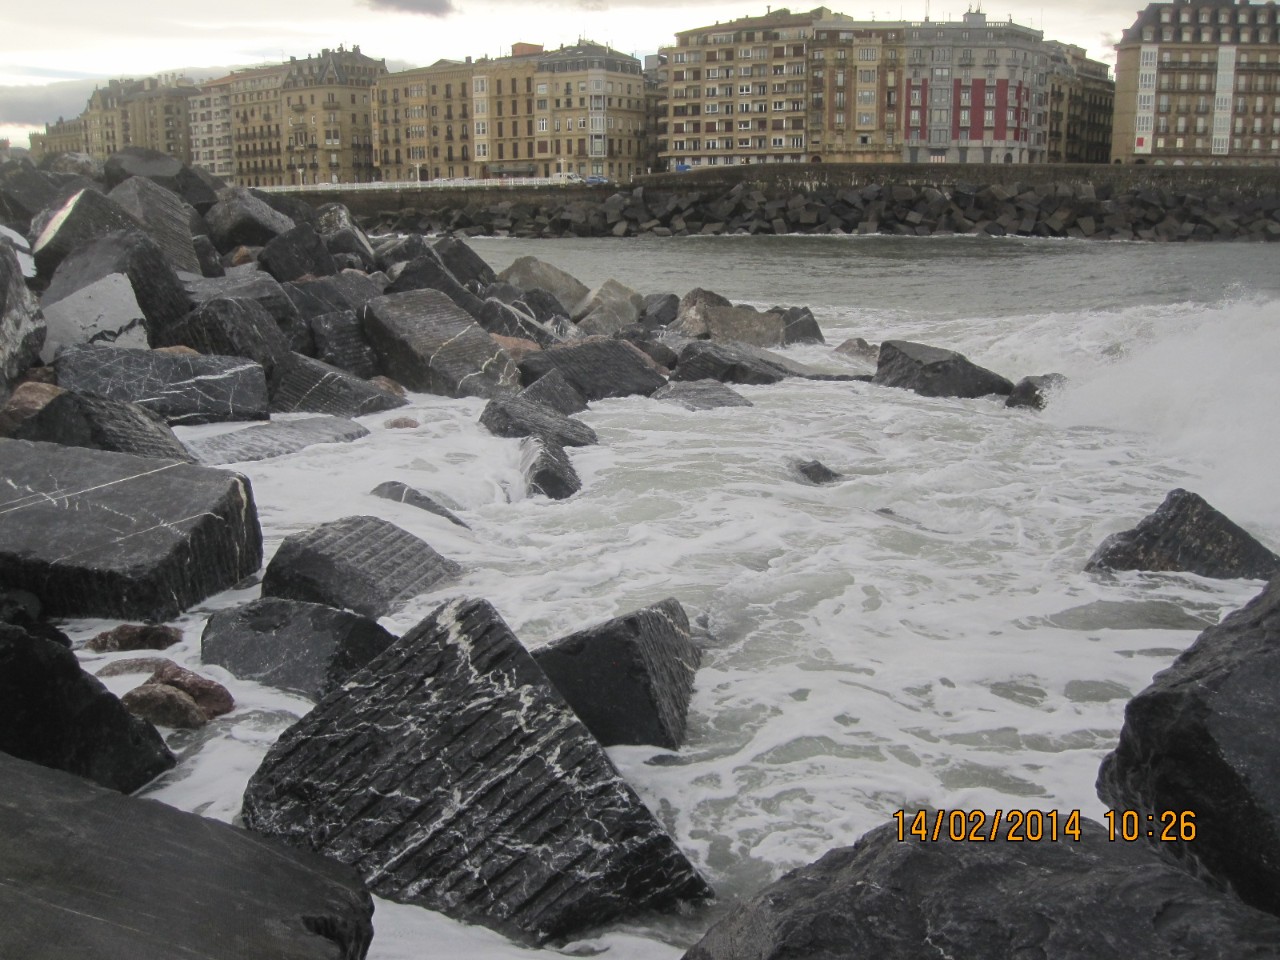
x=64, y=136
x=1198, y=83
x=212, y=144
x=534, y=113
x=818, y=86
x=1081, y=102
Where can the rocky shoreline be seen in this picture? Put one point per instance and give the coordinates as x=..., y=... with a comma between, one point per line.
x=449, y=767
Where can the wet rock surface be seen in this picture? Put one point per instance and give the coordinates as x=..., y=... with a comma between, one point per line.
x=275, y=439
x=547, y=469
x=596, y=368
x=403, y=493
x=518, y=417
x=701, y=395
x=934, y=372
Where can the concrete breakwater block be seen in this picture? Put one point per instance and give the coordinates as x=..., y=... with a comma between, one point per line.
x=313, y=386
x=274, y=439
x=99, y=534
x=450, y=774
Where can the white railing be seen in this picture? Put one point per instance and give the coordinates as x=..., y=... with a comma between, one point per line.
x=462, y=183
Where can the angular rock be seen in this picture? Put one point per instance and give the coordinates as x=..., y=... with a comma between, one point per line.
x=1091, y=900
x=86, y=216
x=311, y=386
x=629, y=679
x=357, y=563
x=728, y=363
x=507, y=321
x=530, y=273
x=1033, y=391
x=748, y=325
x=135, y=636
x=456, y=803
x=660, y=310
x=165, y=216
x=428, y=272
x=232, y=328
x=401, y=249
x=241, y=219
x=260, y=287
x=596, y=368
x=1187, y=535
x=97, y=534
x=516, y=417
x=93, y=865
x=345, y=290
x=340, y=342
x=22, y=328
x=305, y=648
x=210, y=265
x=859, y=349
x=297, y=253
x=428, y=343
x=547, y=469
x=697, y=297
x=701, y=395
x=463, y=262
x=21, y=249
x=799, y=325
x=933, y=372
x=164, y=706
x=180, y=388
x=49, y=414
x=553, y=390
x=24, y=192
x=141, y=162
x=341, y=234
x=815, y=472
x=54, y=714
x=621, y=299
x=212, y=698
x=403, y=493
x=274, y=440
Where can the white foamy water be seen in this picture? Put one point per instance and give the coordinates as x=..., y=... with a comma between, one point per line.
x=920, y=633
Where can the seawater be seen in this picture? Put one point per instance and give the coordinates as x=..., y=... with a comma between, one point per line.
x=919, y=633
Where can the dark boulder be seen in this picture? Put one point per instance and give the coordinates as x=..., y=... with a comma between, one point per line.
x=554, y=390
x=340, y=341
x=232, y=328
x=596, y=368
x=135, y=636
x=212, y=698
x=401, y=249
x=701, y=395
x=86, y=216
x=210, y=265
x=892, y=900
x=305, y=648
x=457, y=708
x=345, y=290
x=727, y=363
x=1187, y=535
x=261, y=288
x=357, y=563
x=241, y=219
x=629, y=679
x=164, y=706
x=815, y=472
x=297, y=253
x=105, y=876
x=508, y=321
x=799, y=325
x=1034, y=391
x=97, y=534
x=141, y=162
x=428, y=272
x=547, y=469
x=24, y=192
x=22, y=328
x=403, y=493
x=179, y=387
x=933, y=372
x=48, y=414
x=270, y=440
x=530, y=273
x=1198, y=749
x=660, y=310
x=464, y=263
x=312, y=386
x=428, y=343
x=54, y=714
x=342, y=235
x=169, y=220
x=22, y=608
x=516, y=417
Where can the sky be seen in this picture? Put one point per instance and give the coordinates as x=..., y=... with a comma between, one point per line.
x=52, y=52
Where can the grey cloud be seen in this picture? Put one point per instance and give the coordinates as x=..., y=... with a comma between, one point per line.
x=35, y=106
x=429, y=8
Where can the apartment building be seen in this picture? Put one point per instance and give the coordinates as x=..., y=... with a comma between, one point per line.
x=1081, y=102
x=64, y=136
x=819, y=86
x=536, y=112
x=209, y=122
x=1198, y=82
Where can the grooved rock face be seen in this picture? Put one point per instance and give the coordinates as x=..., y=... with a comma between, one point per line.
x=450, y=774
x=933, y=372
x=597, y=368
x=22, y=331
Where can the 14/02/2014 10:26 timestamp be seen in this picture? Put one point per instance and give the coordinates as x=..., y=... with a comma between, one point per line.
x=1032, y=826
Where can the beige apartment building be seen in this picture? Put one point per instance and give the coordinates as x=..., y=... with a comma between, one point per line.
x=64, y=136
x=1198, y=83
x=1081, y=103
x=151, y=113
x=209, y=122
x=535, y=113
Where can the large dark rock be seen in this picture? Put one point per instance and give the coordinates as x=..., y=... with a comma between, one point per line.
x=270, y=440
x=799, y=325
x=179, y=387
x=105, y=876
x=706, y=321
x=629, y=679
x=1087, y=900
x=426, y=342
x=475, y=793
x=346, y=290
x=24, y=192
x=22, y=328
x=241, y=219
x=340, y=341
x=401, y=249
x=54, y=714
x=87, y=215
x=596, y=368
x=1200, y=743
x=297, y=253
x=358, y=563
x=509, y=321
x=547, y=469
x=49, y=414
x=701, y=395
x=727, y=363
x=553, y=390
x=464, y=263
x=517, y=417
x=933, y=372
x=1186, y=534
x=403, y=493
x=262, y=288
x=232, y=328
x=312, y=386
x=306, y=648
x=169, y=220
x=141, y=162
x=1033, y=392
x=530, y=273
x=341, y=234
x=428, y=272
x=97, y=534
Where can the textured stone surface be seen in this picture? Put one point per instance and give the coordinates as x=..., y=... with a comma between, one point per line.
x=477, y=792
x=135, y=636
x=305, y=648
x=428, y=343
x=933, y=372
x=49, y=414
x=596, y=368
x=463, y=262
x=727, y=363
x=1034, y=391
x=340, y=342
x=24, y=192
x=701, y=395
x=517, y=417
x=86, y=215
x=547, y=469
x=164, y=706
x=97, y=534
x=1186, y=534
x=260, y=287
x=504, y=320
x=428, y=272
x=22, y=329
x=211, y=697
x=166, y=217
x=274, y=439
x=54, y=714
x=815, y=472
x=105, y=876
x=554, y=390
x=357, y=563
x=341, y=234
x=241, y=219
x=297, y=253
x=403, y=493
x=1092, y=900
x=184, y=389
x=705, y=321
x=312, y=386
x=530, y=273
x=232, y=328
x=629, y=679
x=1202, y=738
x=625, y=302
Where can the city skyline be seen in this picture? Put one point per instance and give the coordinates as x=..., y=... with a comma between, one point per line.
x=67, y=40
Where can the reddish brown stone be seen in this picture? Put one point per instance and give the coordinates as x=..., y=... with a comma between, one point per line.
x=135, y=636
x=401, y=423
x=119, y=668
x=165, y=706
x=211, y=697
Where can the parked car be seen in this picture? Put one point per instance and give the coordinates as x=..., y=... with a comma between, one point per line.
x=595, y=181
